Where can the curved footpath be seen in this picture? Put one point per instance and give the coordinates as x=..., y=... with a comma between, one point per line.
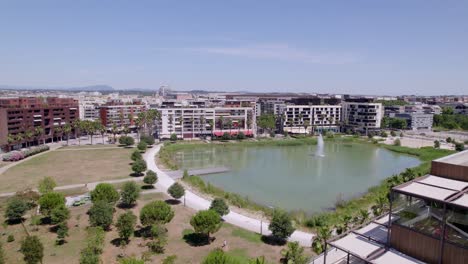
x=198, y=203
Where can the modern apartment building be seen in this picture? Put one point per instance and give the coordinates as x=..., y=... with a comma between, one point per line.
x=362, y=116
x=42, y=117
x=306, y=119
x=417, y=121
x=120, y=114
x=189, y=123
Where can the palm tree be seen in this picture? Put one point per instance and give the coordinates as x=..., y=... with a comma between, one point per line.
x=229, y=124
x=319, y=243
x=57, y=132
x=364, y=215
x=67, y=130
x=19, y=138
x=38, y=133
x=28, y=135
x=139, y=123
x=114, y=130
x=212, y=125
x=77, y=125
x=300, y=121
x=102, y=130
x=291, y=123
x=203, y=125
x=11, y=139
x=192, y=121
x=221, y=123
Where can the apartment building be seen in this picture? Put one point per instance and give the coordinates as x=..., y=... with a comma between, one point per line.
x=120, y=114
x=189, y=123
x=362, y=115
x=306, y=119
x=41, y=116
x=417, y=121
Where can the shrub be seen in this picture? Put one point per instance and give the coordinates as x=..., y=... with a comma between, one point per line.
x=437, y=144
x=176, y=190
x=47, y=184
x=206, y=222
x=139, y=166
x=459, y=146
x=131, y=260
x=32, y=249
x=16, y=208
x=130, y=193
x=219, y=206
x=126, y=141
x=169, y=259
x=136, y=155
x=142, y=146
x=50, y=201
x=149, y=140
x=59, y=214
x=150, y=178
x=393, y=133
x=281, y=225
x=226, y=136
x=94, y=245
x=10, y=238
x=21, y=154
x=449, y=140
x=383, y=134
x=240, y=136
x=105, y=192
x=157, y=212
x=101, y=214
x=62, y=233
x=397, y=142
x=294, y=253
x=173, y=137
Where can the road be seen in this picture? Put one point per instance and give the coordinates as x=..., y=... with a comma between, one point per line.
x=199, y=203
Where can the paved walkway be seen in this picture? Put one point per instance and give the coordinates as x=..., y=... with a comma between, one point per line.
x=198, y=203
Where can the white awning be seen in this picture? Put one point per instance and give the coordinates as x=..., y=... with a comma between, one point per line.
x=427, y=191
x=357, y=245
x=374, y=231
x=463, y=201
x=445, y=183
x=393, y=257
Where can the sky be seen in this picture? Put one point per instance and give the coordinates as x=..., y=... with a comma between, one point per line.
x=360, y=47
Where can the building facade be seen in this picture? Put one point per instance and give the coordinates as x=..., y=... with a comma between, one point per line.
x=188, y=123
x=362, y=116
x=417, y=121
x=30, y=120
x=121, y=115
x=306, y=119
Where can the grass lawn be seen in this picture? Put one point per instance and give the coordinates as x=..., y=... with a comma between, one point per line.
x=68, y=167
x=83, y=146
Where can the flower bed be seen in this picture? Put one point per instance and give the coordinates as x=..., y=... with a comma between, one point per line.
x=21, y=154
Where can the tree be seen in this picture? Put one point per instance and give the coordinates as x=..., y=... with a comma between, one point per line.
x=173, y=137
x=393, y=133
x=157, y=212
x=139, y=166
x=126, y=226
x=142, y=146
x=131, y=260
x=206, y=222
x=59, y=214
x=105, y=192
x=281, y=225
x=130, y=193
x=397, y=142
x=150, y=178
x=62, y=233
x=436, y=144
x=101, y=214
x=364, y=215
x=50, y=201
x=219, y=206
x=16, y=208
x=293, y=254
x=126, y=141
x=149, y=140
x=32, y=249
x=47, y=184
x=319, y=241
x=267, y=122
x=176, y=190
x=136, y=155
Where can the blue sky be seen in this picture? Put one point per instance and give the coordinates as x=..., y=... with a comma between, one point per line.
x=366, y=47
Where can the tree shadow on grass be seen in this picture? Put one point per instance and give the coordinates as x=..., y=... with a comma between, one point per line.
x=147, y=187
x=118, y=242
x=14, y=221
x=144, y=232
x=135, y=174
x=273, y=241
x=172, y=201
x=196, y=239
x=126, y=206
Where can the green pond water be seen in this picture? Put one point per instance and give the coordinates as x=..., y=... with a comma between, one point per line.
x=292, y=177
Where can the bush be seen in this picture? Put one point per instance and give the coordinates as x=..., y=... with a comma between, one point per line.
x=10, y=238
x=149, y=140
x=126, y=140
x=136, y=155
x=16, y=208
x=241, y=136
x=21, y=154
x=383, y=134
x=294, y=253
x=449, y=140
x=219, y=206
x=393, y=133
x=49, y=201
x=142, y=146
x=130, y=193
x=59, y=214
x=176, y=190
x=281, y=225
x=173, y=137
x=436, y=144
x=94, y=245
x=169, y=259
x=32, y=249
x=101, y=214
x=397, y=142
x=157, y=212
x=139, y=166
x=459, y=146
x=62, y=233
x=206, y=222
x=150, y=178
x=105, y=192
x=226, y=136
x=131, y=260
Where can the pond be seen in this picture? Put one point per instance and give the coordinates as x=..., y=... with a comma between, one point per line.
x=294, y=177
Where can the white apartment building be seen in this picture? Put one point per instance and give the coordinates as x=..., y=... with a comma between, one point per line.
x=188, y=123
x=120, y=115
x=305, y=119
x=362, y=116
x=89, y=112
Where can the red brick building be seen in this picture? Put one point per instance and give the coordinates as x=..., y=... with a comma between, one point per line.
x=42, y=117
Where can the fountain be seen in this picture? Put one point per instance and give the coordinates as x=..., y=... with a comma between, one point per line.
x=319, y=151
